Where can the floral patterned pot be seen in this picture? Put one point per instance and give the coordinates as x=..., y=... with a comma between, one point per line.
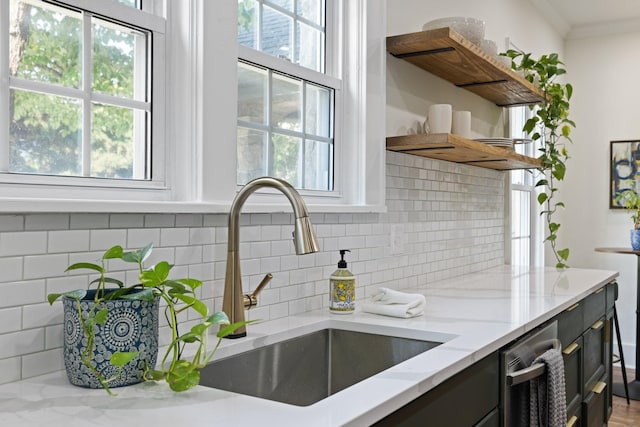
x=131, y=325
x=635, y=240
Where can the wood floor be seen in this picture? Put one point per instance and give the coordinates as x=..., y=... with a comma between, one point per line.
x=624, y=415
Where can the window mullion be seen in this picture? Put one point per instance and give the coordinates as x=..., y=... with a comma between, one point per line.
x=87, y=82
x=303, y=141
x=269, y=146
x=4, y=87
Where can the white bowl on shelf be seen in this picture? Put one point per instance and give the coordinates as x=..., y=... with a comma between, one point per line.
x=489, y=47
x=470, y=28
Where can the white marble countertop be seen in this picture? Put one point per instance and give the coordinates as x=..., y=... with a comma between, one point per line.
x=475, y=314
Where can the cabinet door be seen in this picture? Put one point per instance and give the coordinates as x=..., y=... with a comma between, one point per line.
x=574, y=416
x=594, y=307
x=593, y=355
x=570, y=324
x=594, y=406
x=572, y=355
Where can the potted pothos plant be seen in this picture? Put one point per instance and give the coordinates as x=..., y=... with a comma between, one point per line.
x=111, y=332
x=630, y=200
x=551, y=125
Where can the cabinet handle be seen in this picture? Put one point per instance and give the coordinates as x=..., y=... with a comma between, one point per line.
x=570, y=348
x=572, y=421
x=573, y=307
x=597, y=325
x=599, y=387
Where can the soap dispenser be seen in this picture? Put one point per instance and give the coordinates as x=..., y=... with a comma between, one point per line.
x=342, y=288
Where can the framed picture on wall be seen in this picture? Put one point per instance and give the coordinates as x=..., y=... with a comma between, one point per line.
x=625, y=169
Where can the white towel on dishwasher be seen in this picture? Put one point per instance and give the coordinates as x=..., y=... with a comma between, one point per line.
x=389, y=302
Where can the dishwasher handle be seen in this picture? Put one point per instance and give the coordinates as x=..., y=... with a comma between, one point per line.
x=531, y=372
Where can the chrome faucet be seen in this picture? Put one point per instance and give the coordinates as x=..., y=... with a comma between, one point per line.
x=304, y=239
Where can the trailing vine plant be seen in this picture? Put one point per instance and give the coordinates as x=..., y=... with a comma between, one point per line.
x=551, y=125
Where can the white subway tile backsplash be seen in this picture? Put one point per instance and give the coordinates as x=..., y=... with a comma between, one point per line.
x=46, y=221
x=170, y=220
x=101, y=240
x=188, y=255
x=186, y=220
x=68, y=241
x=202, y=236
x=21, y=343
x=141, y=237
x=10, y=370
x=89, y=221
x=452, y=219
x=42, y=363
x=23, y=243
x=22, y=293
x=53, y=336
x=43, y=266
x=10, y=269
x=39, y=315
x=10, y=319
x=11, y=223
x=174, y=237
x=126, y=221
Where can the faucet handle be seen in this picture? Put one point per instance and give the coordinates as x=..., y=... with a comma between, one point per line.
x=251, y=300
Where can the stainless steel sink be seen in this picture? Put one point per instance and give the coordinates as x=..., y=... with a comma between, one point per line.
x=308, y=368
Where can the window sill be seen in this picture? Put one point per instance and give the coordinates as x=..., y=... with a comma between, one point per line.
x=18, y=205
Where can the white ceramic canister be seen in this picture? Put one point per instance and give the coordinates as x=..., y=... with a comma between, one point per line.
x=461, y=123
x=438, y=119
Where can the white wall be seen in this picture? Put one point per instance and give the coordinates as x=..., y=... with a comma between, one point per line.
x=604, y=73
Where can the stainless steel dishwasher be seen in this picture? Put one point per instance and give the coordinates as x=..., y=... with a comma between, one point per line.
x=517, y=370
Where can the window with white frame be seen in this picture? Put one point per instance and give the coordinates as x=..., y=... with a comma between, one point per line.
x=286, y=98
x=79, y=92
x=526, y=247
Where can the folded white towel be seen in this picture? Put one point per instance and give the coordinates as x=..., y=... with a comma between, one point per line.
x=389, y=302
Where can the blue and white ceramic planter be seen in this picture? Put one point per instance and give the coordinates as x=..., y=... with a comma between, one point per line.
x=635, y=240
x=131, y=325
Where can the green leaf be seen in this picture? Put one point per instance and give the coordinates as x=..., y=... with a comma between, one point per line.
x=117, y=282
x=77, y=294
x=146, y=294
x=155, y=375
x=192, y=283
x=200, y=307
x=155, y=275
x=218, y=318
x=176, y=288
x=542, y=197
x=553, y=227
x=182, y=376
x=52, y=298
x=190, y=337
x=101, y=316
x=121, y=358
x=113, y=253
x=85, y=265
x=200, y=328
x=229, y=329
x=145, y=252
x=138, y=256
x=564, y=253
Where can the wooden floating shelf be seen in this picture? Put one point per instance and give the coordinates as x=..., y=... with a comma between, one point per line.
x=448, y=55
x=453, y=148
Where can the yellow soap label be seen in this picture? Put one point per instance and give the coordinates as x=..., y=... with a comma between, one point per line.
x=342, y=297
